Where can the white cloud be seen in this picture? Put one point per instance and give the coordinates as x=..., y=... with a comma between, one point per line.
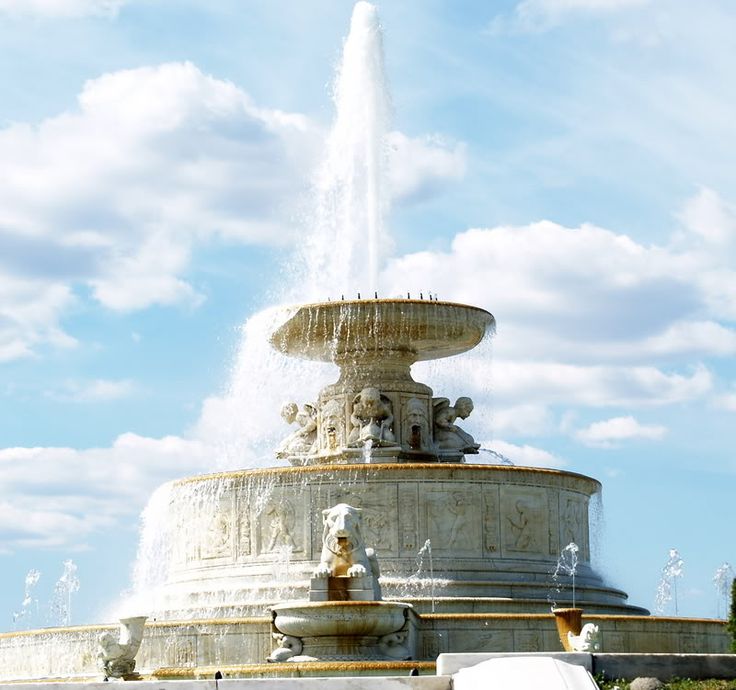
x=528, y=456
x=522, y=420
x=421, y=167
x=610, y=432
x=726, y=401
x=57, y=497
x=592, y=293
x=61, y=8
x=709, y=216
x=540, y=15
x=115, y=194
x=29, y=315
x=154, y=162
x=97, y=390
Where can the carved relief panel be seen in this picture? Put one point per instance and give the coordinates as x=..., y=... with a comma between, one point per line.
x=524, y=522
x=452, y=520
x=378, y=503
x=281, y=525
x=574, y=523
x=216, y=533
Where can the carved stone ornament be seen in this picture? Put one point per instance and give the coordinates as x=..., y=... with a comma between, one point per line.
x=303, y=441
x=372, y=419
x=116, y=656
x=343, y=550
x=447, y=435
x=288, y=647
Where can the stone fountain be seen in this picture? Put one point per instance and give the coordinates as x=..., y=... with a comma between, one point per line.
x=272, y=570
x=309, y=567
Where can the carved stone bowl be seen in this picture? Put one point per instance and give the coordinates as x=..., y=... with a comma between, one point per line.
x=413, y=329
x=323, y=618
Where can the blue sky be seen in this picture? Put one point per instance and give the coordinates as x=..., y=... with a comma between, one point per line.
x=566, y=164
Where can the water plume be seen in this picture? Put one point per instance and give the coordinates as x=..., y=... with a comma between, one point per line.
x=343, y=251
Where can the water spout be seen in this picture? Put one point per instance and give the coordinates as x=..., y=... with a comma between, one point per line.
x=349, y=239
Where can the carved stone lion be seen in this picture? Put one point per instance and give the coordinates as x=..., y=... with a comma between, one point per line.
x=343, y=549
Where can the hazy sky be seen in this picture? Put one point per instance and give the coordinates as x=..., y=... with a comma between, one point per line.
x=566, y=164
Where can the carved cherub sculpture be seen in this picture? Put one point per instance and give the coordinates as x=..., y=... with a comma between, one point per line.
x=372, y=419
x=304, y=440
x=447, y=435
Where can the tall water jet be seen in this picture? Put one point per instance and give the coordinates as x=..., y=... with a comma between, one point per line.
x=348, y=240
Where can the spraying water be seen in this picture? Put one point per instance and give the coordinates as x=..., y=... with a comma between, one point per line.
x=348, y=239
x=29, y=605
x=61, y=603
x=427, y=550
x=340, y=254
x=567, y=564
x=667, y=587
x=722, y=580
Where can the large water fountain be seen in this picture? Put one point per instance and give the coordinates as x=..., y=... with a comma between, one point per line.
x=246, y=583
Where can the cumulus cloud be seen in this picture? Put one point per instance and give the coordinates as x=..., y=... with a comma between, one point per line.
x=526, y=455
x=115, y=194
x=422, y=166
x=153, y=163
x=610, y=432
x=61, y=8
x=593, y=294
x=540, y=15
x=55, y=497
x=586, y=317
x=97, y=390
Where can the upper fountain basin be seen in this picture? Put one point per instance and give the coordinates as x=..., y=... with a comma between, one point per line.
x=420, y=329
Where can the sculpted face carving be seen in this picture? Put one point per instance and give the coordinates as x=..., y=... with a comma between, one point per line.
x=417, y=424
x=333, y=425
